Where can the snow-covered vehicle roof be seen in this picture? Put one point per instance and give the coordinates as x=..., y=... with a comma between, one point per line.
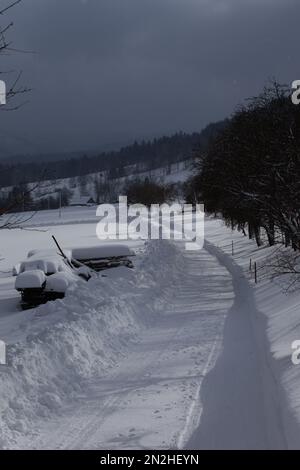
x=48, y=253
x=105, y=250
x=45, y=269
x=50, y=262
x=46, y=274
x=34, y=279
x=59, y=282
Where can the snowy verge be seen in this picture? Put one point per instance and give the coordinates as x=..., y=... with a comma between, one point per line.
x=281, y=311
x=80, y=337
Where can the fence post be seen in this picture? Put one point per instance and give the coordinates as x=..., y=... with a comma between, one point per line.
x=255, y=272
x=250, y=265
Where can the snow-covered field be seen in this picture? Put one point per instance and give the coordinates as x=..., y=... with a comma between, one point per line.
x=184, y=351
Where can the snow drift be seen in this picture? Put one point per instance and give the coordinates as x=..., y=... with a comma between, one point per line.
x=80, y=337
x=277, y=327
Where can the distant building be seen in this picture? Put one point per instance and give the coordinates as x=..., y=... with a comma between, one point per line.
x=82, y=201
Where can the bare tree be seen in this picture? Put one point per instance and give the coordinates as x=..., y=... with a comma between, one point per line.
x=10, y=216
x=9, y=219
x=14, y=88
x=284, y=263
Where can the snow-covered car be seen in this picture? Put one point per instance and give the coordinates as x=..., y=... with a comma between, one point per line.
x=104, y=256
x=46, y=275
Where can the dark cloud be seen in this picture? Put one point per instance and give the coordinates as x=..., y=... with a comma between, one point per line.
x=110, y=71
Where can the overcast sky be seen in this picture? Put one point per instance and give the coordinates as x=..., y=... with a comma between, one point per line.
x=112, y=71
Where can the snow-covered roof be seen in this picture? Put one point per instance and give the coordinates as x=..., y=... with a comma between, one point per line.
x=45, y=266
x=34, y=279
x=47, y=261
x=58, y=282
x=33, y=254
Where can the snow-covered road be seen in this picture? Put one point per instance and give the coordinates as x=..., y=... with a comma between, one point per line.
x=240, y=396
x=151, y=399
x=173, y=354
x=157, y=394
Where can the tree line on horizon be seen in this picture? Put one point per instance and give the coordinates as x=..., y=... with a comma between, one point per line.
x=144, y=156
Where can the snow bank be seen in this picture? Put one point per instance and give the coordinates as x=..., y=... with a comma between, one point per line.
x=277, y=328
x=80, y=337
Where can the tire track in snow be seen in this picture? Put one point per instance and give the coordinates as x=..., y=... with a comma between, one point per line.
x=194, y=414
x=150, y=399
x=246, y=414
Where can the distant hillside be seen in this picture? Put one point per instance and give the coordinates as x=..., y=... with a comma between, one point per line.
x=144, y=156
x=43, y=158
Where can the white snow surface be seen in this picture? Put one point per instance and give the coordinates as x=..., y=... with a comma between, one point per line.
x=41, y=254
x=49, y=264
x=44, y=266
x=59, y=282
x=104, y=250
x=275, y=323
x=175, y=173
x=118, y=361
x=184, y=351
x=33, y=279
